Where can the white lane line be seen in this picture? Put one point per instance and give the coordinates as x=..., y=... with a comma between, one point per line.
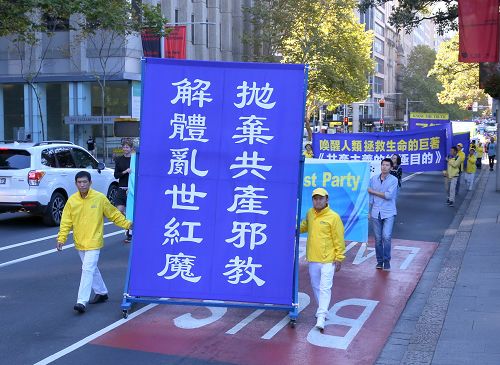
x=36, y=240
x=411, y=176
x=26, y=258
x=93, y=336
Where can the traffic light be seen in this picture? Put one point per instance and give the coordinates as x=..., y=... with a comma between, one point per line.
x=381, y=122
x=381, y=103
x=469, y=107
x=346, y=121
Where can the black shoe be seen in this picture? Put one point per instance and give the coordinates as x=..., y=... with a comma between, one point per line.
x=447, y=201
x=99, y=298
x=450, y=204
x=79, y=307
x=379, y=266
x=128, y=238
x=387, y=266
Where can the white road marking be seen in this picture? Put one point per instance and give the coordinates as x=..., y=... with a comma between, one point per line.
x=411, y=176
x=36, y=240
x=26, y=258
x=93, y=336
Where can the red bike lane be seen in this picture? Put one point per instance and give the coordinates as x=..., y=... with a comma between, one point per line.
x=366, y=305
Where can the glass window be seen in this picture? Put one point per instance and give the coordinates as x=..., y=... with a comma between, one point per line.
x=192, y=28
x=49, y=158
x=378, y=85
x=379, y=15
x=379, y=65
x=13, y=108
x=116, y=98
x=378, y=29
x=176, y=16
x=206, y=30
x=14, y=159
x=57, y=109
x=378, y=46
x=83, y=160
x=64, y=158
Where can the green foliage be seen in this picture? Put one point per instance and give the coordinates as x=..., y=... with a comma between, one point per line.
x=408, y=14
x=325, y=34
x=460, y=80
x=417, y=85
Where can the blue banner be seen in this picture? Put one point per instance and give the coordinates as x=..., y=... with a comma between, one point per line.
x=347, y=185
x=425, y=120
x=422, y=150
x=218, y=178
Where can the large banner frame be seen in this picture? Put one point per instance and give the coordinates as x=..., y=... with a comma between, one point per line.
x=269, y=72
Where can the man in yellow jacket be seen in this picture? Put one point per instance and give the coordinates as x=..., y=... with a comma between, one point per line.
x=452, y=174
x=325, y=250
x=470, y=169
x=84, y=212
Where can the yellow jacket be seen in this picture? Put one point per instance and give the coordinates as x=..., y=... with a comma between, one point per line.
x=308, y=154
x=461, y=156
x=86, y=217
x=453, y=167
x=471, y=164
x=325, y=236
x=479, y=151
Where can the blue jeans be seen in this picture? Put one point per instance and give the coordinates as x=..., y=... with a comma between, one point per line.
x=382, y=230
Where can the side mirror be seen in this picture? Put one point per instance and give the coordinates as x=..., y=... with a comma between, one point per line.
x=100, y=166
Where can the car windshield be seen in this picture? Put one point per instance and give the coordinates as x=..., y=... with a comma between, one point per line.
x=11, y=159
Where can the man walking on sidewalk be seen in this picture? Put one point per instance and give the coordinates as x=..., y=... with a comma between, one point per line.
x=84, y=212
x=452, y=173
x=492, y=151
x=325, y=250
x=383, y=191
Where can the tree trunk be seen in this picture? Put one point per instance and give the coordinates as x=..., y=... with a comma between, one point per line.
x=32, y=85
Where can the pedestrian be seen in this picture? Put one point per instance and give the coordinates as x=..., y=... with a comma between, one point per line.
x=461, y=156
x=122, y=173
x=479, y=155
x=91, y=145
x=452, y=173
x=383, y=191
x=84, y=212
x=492, y=151
x=325, y=250
x=397, y=170
x=470, y=169
x=308, y=151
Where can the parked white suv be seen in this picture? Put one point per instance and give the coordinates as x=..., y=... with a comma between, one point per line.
x=39, y=178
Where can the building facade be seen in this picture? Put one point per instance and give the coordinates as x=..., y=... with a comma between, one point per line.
x=62, y=76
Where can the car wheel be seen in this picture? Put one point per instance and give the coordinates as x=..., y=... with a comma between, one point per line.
x=54, y=210
x=112, y=193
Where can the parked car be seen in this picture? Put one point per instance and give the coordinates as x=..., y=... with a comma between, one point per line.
x=38, y=178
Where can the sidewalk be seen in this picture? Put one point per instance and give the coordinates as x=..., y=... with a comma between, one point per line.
x=453, y=317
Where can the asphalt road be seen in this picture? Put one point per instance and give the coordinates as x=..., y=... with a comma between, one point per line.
x=37, y=293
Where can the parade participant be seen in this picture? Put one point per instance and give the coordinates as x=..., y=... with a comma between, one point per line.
x=122, y=173
x=325, y=250
x=383, y=191
x=308, y=151
x=479, y=155
x=452, y=173
x=461, y=157
x=84, y=212
x=492, y=151
x=470, y=169
x=397, y=170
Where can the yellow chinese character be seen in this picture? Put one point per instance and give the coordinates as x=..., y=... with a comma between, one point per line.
x=424, y=144
x=335, y=145
x=379, y=146
x=402, y=146
x=435, y=142
x=422, y=125
x=357, y=146
x=413, y=145
x=369, y=146
x=345, y=147
x=390, y=146
x=324, y=145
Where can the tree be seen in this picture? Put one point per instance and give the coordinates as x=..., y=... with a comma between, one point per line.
x=460, y=80
x=326, y=35
x=31, y=25
x=418, y=85
x=408, y=14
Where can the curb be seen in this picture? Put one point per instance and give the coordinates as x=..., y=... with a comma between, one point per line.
x=415, y=337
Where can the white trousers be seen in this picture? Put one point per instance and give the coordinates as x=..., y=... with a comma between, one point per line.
x=91, y=276
x=321, y=281
x=469, y=179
